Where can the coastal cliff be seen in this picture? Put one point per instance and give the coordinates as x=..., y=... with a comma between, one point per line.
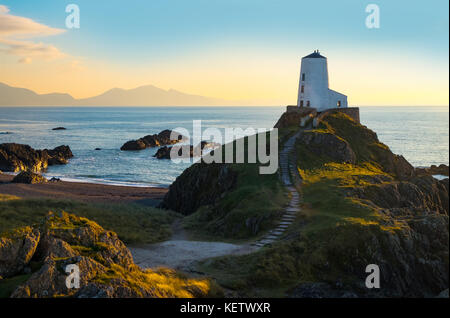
x=361, y=204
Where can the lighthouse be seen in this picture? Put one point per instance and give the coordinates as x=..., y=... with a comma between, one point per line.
x=313, y=89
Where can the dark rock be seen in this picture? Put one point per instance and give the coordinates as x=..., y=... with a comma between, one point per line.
x=17, y=249
x=156, y=140
x=18, y=157
x=98, y=149
x=200, y=184
x=59, y=155
x=289, y=119
x=134, y=145
x=28, y=177
x=327, y=144
x=54, y=179
x=320, y=290
x=433, y=170
x=59, y=128
x=164, y=152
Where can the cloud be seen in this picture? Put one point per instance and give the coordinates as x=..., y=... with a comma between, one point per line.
x=25, y=60
x=16, y=33
x=31, y=49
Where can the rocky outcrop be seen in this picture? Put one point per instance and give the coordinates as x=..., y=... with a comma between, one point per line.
x=29, y=177
x=418, y=196
x=293, y=118
x=364, y=143
x=156, y=140
x=58, y=155
x=329, y=145
x=18, y=157
x=17, y=249
x=106, y=267
x=59, y=128
x=200, y=184
x=183, y=152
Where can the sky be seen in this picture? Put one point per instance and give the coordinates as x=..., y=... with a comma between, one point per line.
x=247, y=50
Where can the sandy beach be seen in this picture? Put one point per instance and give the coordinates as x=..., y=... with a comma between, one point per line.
x=86, y=192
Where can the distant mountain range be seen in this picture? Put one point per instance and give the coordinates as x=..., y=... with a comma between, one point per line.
x=142, y=96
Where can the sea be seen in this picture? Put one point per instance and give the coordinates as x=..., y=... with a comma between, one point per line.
x=420, y=134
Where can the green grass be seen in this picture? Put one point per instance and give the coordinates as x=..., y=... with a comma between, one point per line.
x=8, y=285
x=132, y=222
x=256, y=197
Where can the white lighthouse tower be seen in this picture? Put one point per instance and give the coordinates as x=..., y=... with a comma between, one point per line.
x=313, y=90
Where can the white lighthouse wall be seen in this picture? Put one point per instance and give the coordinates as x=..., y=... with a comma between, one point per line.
x=335, y=98
x=315, y=84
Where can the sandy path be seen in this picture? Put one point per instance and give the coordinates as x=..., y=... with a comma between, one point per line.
x=181, y=253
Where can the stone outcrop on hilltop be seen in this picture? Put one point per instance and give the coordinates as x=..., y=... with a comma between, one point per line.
x=294, y=116
x=156, y=140
x=105, y=265
x=18, y=157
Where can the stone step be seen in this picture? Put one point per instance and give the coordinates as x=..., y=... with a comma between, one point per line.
x=276, y=232
x=285, y=223
x=267, y=242
x=283, y=226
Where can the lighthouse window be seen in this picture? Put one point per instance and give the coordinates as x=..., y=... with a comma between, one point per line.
x=301, y=103
x=303, y=89
x=303, y=76
x=339, y=103
x=307, y=103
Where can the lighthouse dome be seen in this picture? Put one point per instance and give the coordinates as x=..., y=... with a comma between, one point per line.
x=315, y=55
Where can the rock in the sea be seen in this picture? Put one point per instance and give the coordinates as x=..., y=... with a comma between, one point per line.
x=59, y=155
x=18, y=157
x=433, y=170
x=105, y=265
x=156, y=140
x=134, y=145
x=59, y=128
x=29, y=178
x=186, y=151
